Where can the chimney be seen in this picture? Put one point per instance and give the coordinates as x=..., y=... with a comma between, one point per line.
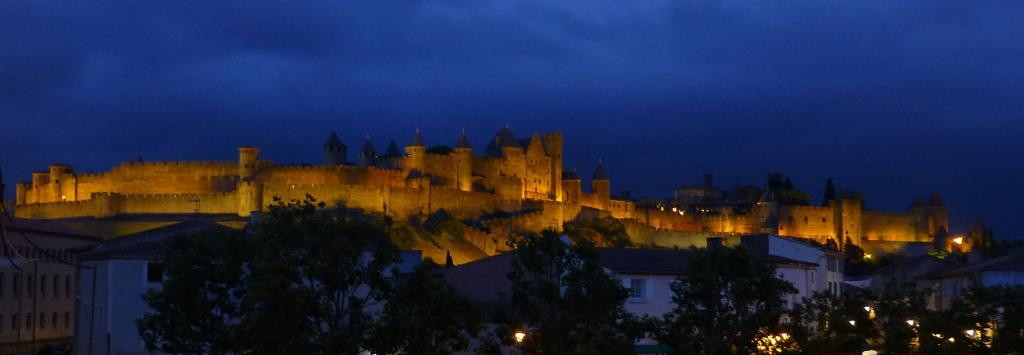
x=714, y=243
x=707, y=181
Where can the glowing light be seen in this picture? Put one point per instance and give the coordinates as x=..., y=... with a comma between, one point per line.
x=911, y=322
x=853, y=322
x=675, y=209
x=937, y=335
x=867, y=256
x=62, y=197
x=867, y=309
x=958, y=240
x=520, y=336
x=951, y=340
x=970, y=332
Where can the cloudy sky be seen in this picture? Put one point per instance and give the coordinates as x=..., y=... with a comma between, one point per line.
x=892, y=99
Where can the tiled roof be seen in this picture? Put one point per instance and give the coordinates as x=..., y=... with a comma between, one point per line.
x=42, y=226
x=147, y=245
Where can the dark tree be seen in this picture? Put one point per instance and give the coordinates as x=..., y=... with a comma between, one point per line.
x=316, y=276
x=826, y=324
x=900, y=313
x=566, y=300
x=425, y=315
x=197, y=311
x=725, y=301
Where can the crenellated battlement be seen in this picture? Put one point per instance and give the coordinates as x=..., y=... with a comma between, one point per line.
x=224, y=163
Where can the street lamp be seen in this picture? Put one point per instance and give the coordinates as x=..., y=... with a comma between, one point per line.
x=520, y=336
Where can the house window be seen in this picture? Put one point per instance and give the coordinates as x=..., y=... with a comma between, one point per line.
x=56, y=283
x=14, y=286
x=1, y=288
x=53, y=320
x=42, y=286
x=638, y=288
x=154, y=272
x=30, y=285
x=42, y=320
x=67, y=320
x=14, y=322
x=28, y=321
x=67, y=286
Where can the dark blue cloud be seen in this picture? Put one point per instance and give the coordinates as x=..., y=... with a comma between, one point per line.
x=891, y=99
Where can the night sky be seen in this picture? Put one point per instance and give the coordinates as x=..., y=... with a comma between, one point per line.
x=892, y=99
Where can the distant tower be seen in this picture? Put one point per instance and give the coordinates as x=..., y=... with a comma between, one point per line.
x=600, y=186
x=571, y=187
x=335, y=152
x=848, y=216
x=368, y=155
x=463, y=163
x=249, y=189
x=247, y=160
x=553, y=146
x=416, y=154
x=59, y=174
x=938, y=214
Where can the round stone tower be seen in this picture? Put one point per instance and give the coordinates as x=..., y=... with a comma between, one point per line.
x=416, y=154
x=463, y=163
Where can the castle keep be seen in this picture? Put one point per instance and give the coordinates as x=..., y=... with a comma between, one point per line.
x=522, y=181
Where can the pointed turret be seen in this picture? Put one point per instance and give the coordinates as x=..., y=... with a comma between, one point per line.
x=502, y=140
x=335, y=152
x=463, y=141
x=599, y=173
x=392, y=151
x=368, y=155
x=417, y=140
x=830, y=193
x=463, y=163
x=601, y=186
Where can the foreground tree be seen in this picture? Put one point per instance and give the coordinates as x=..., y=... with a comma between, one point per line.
x=425, y=316
x=567, y=301
x=316, y=275
x=725, y=301
x=825, y=323
x=198, y=309
x=901, y=318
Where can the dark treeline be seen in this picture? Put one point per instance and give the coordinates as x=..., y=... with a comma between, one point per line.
x=307, y=279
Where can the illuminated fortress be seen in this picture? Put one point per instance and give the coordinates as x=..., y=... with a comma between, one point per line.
x=515, y=185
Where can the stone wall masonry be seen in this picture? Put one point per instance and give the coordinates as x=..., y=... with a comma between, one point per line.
x=889, y=226
x=816, y=222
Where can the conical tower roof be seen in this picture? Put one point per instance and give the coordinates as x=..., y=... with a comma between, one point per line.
x=504, y=138
x=334, y=141
x=599, y=173
x=417, y=140
x=368, y=148
x=463, y=141
x=570, y=175
x=392, y=151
